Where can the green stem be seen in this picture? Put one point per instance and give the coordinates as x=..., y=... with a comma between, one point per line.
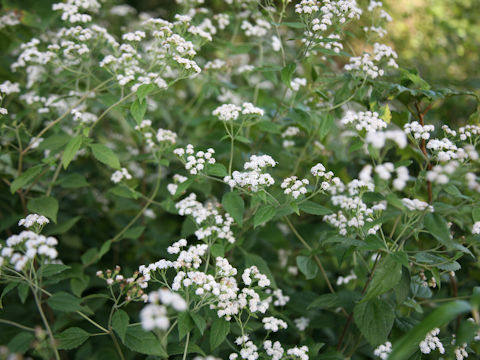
x=185, y=352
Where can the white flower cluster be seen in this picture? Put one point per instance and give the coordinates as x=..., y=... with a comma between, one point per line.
x=294, y=187
x=297, y=82
x=195, y=162
x=461, y=352
x=154, y=315
x=353, y=213
x=10, y=18
x=33, y=219
x=369, y=65
x=254, y=178
x=302, y=323
x=472, y=183
x=164, y=137
x=431, y=342
x=132, y=286
x=120, y=175
x=418, y=131
x=368, y=121
x=210, y=221
x=346, y=279
x=71, y=10
x=468, y=131
x=378, y=138
x=320, y=173
x=273, y=324
x=417, y=205
x=23, y=248
x=251, y=274
x=177, y=179
x=259, y=28
x=386, y=170
x=228, y=112
x=476, y=228
x=220, y=291
x=288, y=133
x=382, y=351
x=447, y=150
x=274, y=350
x=440, y=173
x=299, y=352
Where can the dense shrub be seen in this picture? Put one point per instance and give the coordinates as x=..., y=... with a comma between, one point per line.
x=246, y=180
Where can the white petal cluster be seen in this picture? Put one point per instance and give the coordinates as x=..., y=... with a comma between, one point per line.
x=154, y=315
x=296, y=83
x=120, y=175
x=259, y=28
x=24, y=248
x=71, y=10
x=341, y=280
x=431, y=342
x=275, y=350
x=299, y=352
x=177, y=179
x=230, y=112
x=378, y=138
x=255, y=178
x=210, y=221
x=273, y=324
x=417, y=205
x=33, y=219
x=252, y=274
x=302, y=323
x=368, y=121
x=294, y=187
x=195, y=162
x=382, y=351
x=476, y=228
x=418, y=131
x=468, y=131
x=440, y=174
x=461, y=352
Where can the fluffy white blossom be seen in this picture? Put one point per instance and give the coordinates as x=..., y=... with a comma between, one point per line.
x=382, y=351
x=120, y=175
x=431, y=343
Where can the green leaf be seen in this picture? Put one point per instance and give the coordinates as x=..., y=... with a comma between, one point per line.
x=184, y=324
x=63, y=301
x=261, y=264
x=313, y=208
x=326, y=301
x=144, y=90
x=402, y=289
x=63, y=227
x=438, y=228
x=217, y=170
x=134, y=232
x=45, y=205
x=263, y=214
x=408, y=344
x=218, y=332
x=53, y=269
x=199, y=322
x=26, y=178
x=6, y=290
x=138, y=110
x=72, y=147
x=287, y=73
x=23, y=292
x=375, y=319
x=234, y=205
x=476, y=214
x=73, y=181
x=20, y=343
x=120, y=322
x=143, y=342
x=385, y=278
x=72, y=338
x=217, y=250
x=105, y=155
x=307, y=266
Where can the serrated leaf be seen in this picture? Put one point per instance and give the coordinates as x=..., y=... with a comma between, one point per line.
x=45, y=205
x=263, y=214
x=234, y=205
x=20, y=343
x=218, y=332
x=375, y=319
x=217, y=170
x=71, y=150
x=105, y=155
x=438, y=228
x=287, y=73
x=144, y=90
x=72, y=338
x=388, y=274
x=53, y=269
x=185, y=324
x=307, y=266
x=143, y=342
x=73, y=181
x=120, y=322
x=63, y=301
x=313, y=208
x=26, y=178
x=138, y=110
x=199, y=322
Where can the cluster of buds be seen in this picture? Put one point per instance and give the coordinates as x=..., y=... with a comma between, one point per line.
x=425, y=281
x=131, y=287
